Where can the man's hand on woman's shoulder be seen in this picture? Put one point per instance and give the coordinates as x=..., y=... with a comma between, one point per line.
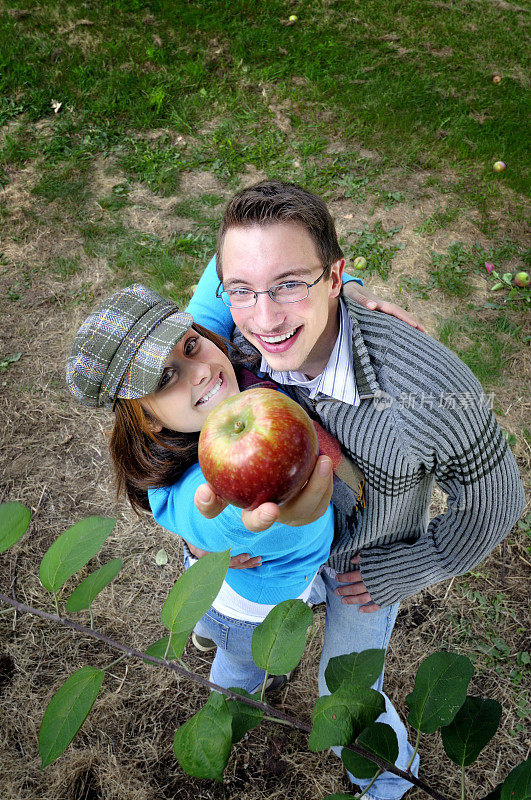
x=365, y=298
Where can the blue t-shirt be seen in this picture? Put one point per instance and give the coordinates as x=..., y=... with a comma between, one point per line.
x=290, y=555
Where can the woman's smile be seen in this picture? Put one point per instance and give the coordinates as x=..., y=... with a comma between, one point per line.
x=212, y=392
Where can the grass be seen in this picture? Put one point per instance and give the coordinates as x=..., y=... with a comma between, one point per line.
x=440, y=219
x=483, y=344
x=489, y=627
x=388, y=111
x=369, y=245
x=170, y=265
x=450, y=271
x=413, y=84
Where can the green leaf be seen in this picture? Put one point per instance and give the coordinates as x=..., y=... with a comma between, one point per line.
x=192, y=595
x=517, y=784
x=340, y=797
x=83, y=596
x=363, y=668
x=379, y=739
x=161, y=558
x=279, y=641
x=244, y=717
x=14, y=522
x=471, y=729
x=495, y=794
x=72, y=550
x=440, y=689
x=202, y=745
x=67, y=711
x=158, y=648
x=340, y=717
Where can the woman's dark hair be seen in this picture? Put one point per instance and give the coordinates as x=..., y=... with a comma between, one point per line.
x=143, y=459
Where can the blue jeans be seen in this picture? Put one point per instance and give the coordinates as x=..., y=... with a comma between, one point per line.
x=348, y=631
x=233, y=663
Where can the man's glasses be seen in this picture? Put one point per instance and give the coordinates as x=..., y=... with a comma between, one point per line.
x=288, y=292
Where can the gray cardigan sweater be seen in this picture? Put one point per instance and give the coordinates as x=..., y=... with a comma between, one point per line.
x=423, y=417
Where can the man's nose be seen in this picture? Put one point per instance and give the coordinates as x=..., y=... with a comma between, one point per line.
x=266, y=314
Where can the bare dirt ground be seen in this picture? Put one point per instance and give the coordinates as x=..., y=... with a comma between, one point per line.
x=54, y=459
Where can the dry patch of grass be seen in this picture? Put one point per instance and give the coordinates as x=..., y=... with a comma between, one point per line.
x=54, y=459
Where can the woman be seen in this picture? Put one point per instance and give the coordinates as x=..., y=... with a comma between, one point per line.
x=162, y=375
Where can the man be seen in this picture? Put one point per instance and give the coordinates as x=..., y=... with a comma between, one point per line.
x=405, y=409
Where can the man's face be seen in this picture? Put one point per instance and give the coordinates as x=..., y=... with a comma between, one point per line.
x=290, y=336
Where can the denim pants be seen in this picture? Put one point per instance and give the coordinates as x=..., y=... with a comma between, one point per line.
x=233, y=663
x=347, y=630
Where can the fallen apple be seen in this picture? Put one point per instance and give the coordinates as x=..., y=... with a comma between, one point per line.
x=293, y=18
x=257, y=446
x=498, y=166
x=522, y=279
x=360, y=262
x=496, y=79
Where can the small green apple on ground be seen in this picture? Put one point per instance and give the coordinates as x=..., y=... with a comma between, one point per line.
x=522, y=279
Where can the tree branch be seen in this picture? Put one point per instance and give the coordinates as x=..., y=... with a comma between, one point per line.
x=180, y=670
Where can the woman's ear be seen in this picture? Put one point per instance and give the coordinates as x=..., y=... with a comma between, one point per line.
x=153, y=423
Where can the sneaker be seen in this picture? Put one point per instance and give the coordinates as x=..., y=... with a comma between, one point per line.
x=202, y=643
x=276, y=682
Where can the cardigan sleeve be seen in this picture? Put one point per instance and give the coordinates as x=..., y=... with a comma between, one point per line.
x=464, y=449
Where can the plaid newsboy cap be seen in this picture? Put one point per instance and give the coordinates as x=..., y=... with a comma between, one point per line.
x=120, y=350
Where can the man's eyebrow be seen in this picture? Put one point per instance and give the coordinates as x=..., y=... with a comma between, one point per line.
x=292, y=272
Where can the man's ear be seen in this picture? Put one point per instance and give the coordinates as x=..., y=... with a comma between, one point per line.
x=336, y=277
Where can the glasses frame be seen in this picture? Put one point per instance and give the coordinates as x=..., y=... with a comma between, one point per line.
x=269, y=292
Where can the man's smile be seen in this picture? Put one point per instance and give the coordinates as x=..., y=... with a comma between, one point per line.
x=279, y=342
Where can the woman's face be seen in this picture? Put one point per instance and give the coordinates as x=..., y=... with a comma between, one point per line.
x=197, y=376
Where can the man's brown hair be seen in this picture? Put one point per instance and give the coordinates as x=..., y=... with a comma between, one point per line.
x=273, y=201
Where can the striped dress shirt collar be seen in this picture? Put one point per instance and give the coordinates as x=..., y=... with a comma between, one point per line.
x=337, y=380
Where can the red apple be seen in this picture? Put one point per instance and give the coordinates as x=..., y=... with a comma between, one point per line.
x=498, y=166
x=257, y=446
